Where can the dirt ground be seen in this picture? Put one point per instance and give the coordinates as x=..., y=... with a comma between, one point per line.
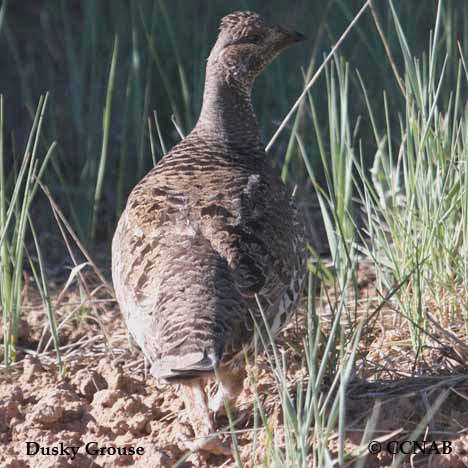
x=104, y=399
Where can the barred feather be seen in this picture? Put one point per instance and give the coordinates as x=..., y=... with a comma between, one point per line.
x=207, y=230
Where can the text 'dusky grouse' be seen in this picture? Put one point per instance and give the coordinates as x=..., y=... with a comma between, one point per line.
x=210, y=238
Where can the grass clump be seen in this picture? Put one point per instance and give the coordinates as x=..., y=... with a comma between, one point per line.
x=17, y=191
x=415, y=196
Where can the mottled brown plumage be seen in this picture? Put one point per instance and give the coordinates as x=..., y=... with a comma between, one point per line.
x=209, y=230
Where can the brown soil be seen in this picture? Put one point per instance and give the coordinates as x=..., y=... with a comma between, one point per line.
x=104, y=399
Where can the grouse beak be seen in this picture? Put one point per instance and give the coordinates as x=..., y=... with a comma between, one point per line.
x=288, y=38
x=297, y=36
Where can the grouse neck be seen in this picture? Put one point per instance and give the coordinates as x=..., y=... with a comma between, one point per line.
x=227, y=112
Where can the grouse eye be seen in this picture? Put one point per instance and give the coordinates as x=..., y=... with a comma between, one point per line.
x=254, y=39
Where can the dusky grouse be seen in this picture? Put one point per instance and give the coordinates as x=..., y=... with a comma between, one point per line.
x=210, y=233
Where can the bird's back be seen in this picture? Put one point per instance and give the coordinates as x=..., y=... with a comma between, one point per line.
x=205, y=235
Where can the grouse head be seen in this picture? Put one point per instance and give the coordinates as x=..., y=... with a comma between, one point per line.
x=246, y=45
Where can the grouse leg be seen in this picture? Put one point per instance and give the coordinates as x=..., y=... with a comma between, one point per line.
x=196, y=406
x=230, y=384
